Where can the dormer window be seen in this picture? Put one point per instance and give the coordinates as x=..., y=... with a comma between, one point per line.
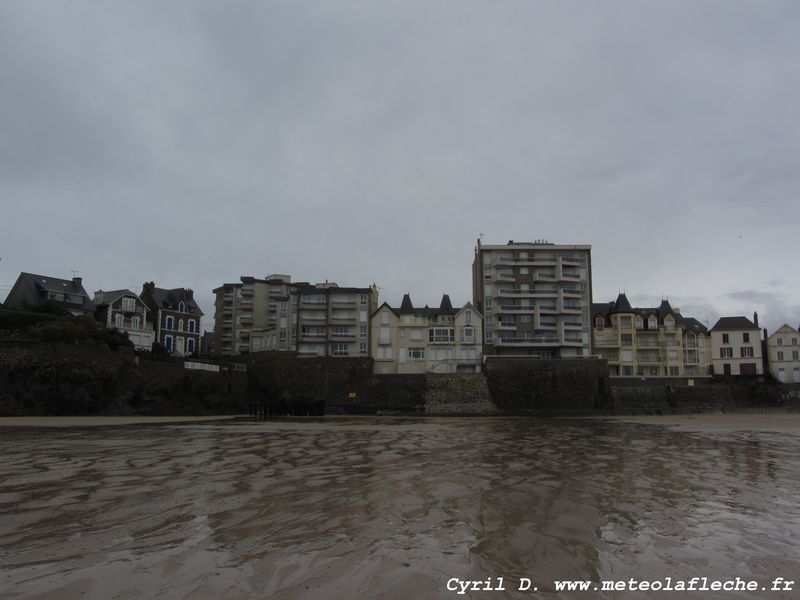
x=182, y=307
x=652, y=323
x=599, y=322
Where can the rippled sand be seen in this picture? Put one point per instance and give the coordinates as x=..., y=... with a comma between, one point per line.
x=389, y=508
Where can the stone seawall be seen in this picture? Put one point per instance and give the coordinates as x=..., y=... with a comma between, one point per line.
x=543, y=386
x=90, y=379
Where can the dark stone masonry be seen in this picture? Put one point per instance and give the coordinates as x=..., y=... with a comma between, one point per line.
x=88, y=378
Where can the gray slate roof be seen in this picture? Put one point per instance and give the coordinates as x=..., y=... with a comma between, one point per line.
x=734, y=324
x=622, y=305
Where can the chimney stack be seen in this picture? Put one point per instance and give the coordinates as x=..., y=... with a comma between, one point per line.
x=77, y=281
x=755, y=318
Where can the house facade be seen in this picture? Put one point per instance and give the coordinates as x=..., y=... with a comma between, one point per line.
x=783, y=354
x=535, y=299
x=736, y=347
x=650, y=342
x=427, y=340
x=176, y=318
x=68, y=294
x=125, y=311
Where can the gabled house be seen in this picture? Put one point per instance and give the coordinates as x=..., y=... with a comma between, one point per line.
x=736, y=346
x=69, y=294
x=176, y=318
x=427, y=340
x=125, y=311
x=783, y=352
x=649, y=342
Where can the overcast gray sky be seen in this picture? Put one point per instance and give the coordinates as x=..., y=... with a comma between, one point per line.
x=191, y=143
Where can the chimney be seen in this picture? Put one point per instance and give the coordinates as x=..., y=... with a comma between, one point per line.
x=755, y=319
x=190, y=293
x=77, y=281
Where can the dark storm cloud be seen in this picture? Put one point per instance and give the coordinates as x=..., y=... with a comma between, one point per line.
x=192, y=143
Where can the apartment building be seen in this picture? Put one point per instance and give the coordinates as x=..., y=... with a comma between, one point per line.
x=254, y=315
x=783, y=354
x=333, y=320
x=535, y=299
x=426, y=340
x=649, y=342
x=736, y=346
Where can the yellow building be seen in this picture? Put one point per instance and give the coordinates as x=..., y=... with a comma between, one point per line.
x=649, y=342
x=426, y=340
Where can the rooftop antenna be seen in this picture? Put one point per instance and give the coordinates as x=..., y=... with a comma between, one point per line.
x=75, y=273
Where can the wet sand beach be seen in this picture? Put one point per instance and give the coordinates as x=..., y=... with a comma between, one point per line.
x=393, y=508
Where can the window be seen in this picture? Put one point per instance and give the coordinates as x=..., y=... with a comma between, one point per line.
x=416, y=353
x=364, y=298
x=746, y=351
x=468, y=316
x=627, y=371
x=488, y=304
x=135, y=323
x=639, y=324
x=674, y=371
x=627, y=339
x=746, y=338
x=794, y=341
x=384, y=336
x=128, y=304
x=488, y=336
x=725, y=339
x=385, y=317
x=780, y=355
x=283, y=307
x=182, y=307
x=600, y=339
x=780, y=341
x=362, y=349
x=726, y=352
x=191, y=325
x=170, y=323
x=283, y=335
x=652, y=324
x=362, y=316
x=440, y=334
x=119, y=321
x=796, y=356
x=339, y=349
x=190, y=345
x=363, y=330
x=416, y=335
x=625, y=322
x=670, y=324
x=525, y=319
x=599, y=322
x=468, y=335
x=168, y=342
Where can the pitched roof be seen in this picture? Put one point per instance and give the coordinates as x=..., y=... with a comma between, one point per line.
x=605, y=309
x=40, y=285
x=734, y=324
x=102, y=297
x=170, y=299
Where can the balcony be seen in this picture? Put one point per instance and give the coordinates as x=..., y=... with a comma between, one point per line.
x=573, y=324
x=504, y=276
x=343, y=302
x=246, y=290
x=513, y=308
x=313, y=317
x=570, y=261
x=570, y=275
x=340, y=319
x=314, y=304
x=529, y=341
x=572, y=291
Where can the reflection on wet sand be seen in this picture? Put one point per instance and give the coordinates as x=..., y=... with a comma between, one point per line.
x=392, y=508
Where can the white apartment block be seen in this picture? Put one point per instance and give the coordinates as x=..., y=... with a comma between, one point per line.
x=535, y=299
